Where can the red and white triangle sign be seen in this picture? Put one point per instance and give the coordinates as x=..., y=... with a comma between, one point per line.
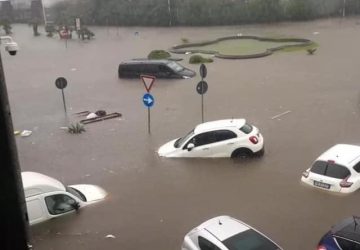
x=148, y=81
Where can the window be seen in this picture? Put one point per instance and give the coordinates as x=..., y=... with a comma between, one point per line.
x=204, y=244
x=247, y=128
x=319, y=167
x=337, y=171
x=222, y=135
x=175, y=66
x=60, y=203
x=348, y=244
x=76, y=193
x=249, y=240
x=164, y=69
x=330, y=169
x=203, y=139
x=181, y=140
x=357, y=167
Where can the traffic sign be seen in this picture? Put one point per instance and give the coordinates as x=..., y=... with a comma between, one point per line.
x=148, y=81
x=202, y=87
x=148, y=100
x=61, y=83
x=203, y=71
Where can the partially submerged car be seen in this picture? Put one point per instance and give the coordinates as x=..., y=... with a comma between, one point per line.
x=337, y=169
x=223, y=138
x=227, y=233
x=343, y=236
x=48, y=198
x=157, y=68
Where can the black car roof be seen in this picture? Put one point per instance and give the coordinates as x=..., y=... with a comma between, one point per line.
x=146, y=62
x=348, y=228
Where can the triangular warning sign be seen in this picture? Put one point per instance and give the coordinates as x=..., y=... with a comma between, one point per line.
x=148, y=81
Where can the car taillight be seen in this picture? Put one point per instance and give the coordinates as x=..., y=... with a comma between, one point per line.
x=254, y=139
x=321, y=247
x=305, y=174
x=345, y=184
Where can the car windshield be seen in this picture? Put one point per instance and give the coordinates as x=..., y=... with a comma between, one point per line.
x=175, y=66
x=330, y=169
x=249, y=240
x=247, y=128
x=76, y=192
x=181, y=140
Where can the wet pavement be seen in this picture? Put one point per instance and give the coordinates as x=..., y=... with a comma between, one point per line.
x=154, y=202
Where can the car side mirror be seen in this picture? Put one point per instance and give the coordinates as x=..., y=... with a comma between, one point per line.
x=190, y=146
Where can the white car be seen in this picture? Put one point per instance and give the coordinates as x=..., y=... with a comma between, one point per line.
x=337, y=170
x=226, y=233
x=222, y=138
x=47, y=198
x=10, y=45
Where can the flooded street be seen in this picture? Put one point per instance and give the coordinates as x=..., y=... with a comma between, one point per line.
x=154, y=202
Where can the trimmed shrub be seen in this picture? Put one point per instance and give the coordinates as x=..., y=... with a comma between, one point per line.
x=199, y=59
x=159, y=54
x=77, y=128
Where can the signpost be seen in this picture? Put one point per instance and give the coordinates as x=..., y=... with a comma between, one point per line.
x=61, y=83
x=202, y=87
x=148, y=99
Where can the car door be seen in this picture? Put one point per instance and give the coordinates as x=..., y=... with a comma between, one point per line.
x=36, y=210
x=225, y=143
x=203, y=145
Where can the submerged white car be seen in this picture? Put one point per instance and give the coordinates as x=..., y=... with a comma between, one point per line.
x=227, y=233
x=47, y=198
x=223, y=138
x=337, y=170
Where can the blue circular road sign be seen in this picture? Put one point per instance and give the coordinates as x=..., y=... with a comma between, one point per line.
x=148, y=100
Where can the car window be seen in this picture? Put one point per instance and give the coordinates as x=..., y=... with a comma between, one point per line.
x=59, y=203
x=337, y=171
x=357, y=167
x=319, y=167
x=249, y=240
x=181, y=140
x=222, y=135
x=204, y=244
x=164, y=69
x=348, y=244
x=204, y=139
x=175, y=66
x=247, y=128
x=330, y=169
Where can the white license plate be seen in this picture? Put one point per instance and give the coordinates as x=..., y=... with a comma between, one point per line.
x=322, y=185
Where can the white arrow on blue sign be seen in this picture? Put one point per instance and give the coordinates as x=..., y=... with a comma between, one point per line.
x=148, y=100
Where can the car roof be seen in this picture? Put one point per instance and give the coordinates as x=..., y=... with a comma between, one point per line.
x=348, y=228
x=223, y=227
x=144, y=61
x=213, y=125
x=36, y=183
x=343, y=154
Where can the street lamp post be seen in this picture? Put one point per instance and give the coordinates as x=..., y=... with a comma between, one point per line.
x=13, y=215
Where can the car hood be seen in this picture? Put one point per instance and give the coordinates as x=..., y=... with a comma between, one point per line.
x=92, y=193
x=167, y=149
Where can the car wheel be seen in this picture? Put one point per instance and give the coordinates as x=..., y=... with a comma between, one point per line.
x=241, y=153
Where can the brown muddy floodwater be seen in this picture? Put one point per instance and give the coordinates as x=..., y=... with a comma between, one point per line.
x=154, y=202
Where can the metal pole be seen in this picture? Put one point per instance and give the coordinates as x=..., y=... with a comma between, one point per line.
x=149, y=121
x=202, y=107
x=13, y=214
x=43, y=9
x=169, y=7
x=63, y=96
